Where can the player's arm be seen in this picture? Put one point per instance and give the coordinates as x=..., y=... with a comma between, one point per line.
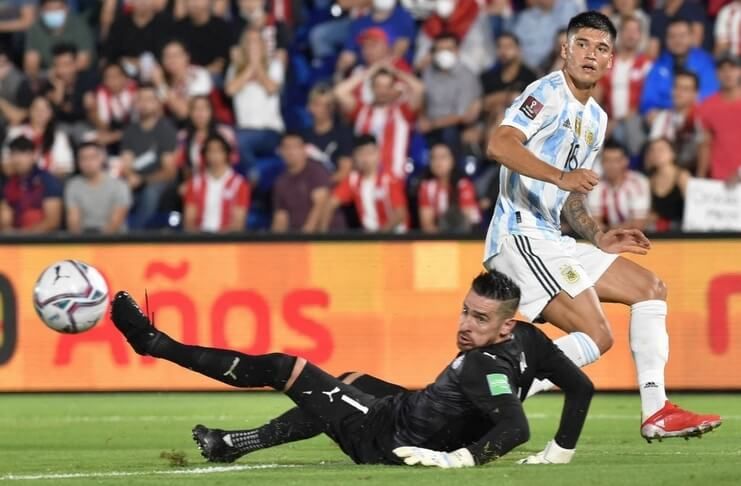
x=578, y=390
x=532, y=111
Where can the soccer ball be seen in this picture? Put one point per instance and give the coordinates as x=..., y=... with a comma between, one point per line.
x=70, y=296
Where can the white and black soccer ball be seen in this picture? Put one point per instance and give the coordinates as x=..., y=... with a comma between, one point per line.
x=70, y=296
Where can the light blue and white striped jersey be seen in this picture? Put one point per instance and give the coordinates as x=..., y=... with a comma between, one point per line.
x=560, y=131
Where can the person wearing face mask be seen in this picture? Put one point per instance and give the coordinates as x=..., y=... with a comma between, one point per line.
x=452, y=92
x=56, y=24
x=392, y=18
x=469, y=22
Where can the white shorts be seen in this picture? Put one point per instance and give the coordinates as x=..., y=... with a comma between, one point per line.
x=543, y=268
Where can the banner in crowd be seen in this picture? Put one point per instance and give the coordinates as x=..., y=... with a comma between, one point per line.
x=386, y=308
x=711, y=206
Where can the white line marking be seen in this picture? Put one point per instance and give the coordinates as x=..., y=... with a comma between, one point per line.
x=162, y=472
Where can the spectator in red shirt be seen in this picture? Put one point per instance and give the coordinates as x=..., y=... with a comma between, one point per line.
x=217, y=199
x=389, y=117
x=301, y=192
x=720, y=118
x=378, y=196
x=447, y=200
x=32, y=198
x=112, y=105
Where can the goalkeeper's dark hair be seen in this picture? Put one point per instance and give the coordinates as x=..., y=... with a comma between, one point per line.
x=497, y=286
x=592, y=20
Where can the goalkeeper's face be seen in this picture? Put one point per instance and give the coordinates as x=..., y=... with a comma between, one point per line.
x=482, y=322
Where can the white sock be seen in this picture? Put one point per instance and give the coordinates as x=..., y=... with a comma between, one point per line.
x=649, y=343
x=579, y=348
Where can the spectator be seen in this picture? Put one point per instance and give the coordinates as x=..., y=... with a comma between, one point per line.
x=95, y=202
x=148, y=156
x=32, y=198
x=468, y=21
x=206, y=37
x=112, y=105
x=679, y=54
x=53, y=149
x=301, y=192
x=56, y=25
x=15, y=94
x=328, y=139
x=555, y=61
x=178, y=80
x=16, y=17
x=253, y=14
x=537, y=26
x=68, y=90
x=620, y=89
x=447, y=199
x=137, y=37
x=200, y=126
x=679, y=124
x=622, y=10
x=254, y=83
x=661, y=18
x=389, y=118
x=452, y=94
x=387, y=15
x=668, y=186
x=728, y=29
x=622, y=199
x=217, y=199
x=378, y=196
x=329, y=36
x=720, y=119
x=507, y=79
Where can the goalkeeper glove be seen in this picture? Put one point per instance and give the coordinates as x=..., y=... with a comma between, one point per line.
x=426, y=457
x=552, y=454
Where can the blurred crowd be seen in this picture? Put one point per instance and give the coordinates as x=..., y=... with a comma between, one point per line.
x=345, y=115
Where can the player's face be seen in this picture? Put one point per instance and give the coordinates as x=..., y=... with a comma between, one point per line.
x=480, y=323
x=614, y=164
x=587, y=55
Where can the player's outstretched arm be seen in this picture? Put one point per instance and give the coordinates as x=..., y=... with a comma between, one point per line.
x=614, y=241
x=507, y=146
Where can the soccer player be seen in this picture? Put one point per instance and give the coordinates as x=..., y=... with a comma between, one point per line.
x=498, y=360
x=547, y=144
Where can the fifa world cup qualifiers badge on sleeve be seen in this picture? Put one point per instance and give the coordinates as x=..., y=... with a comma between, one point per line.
x=531, y=107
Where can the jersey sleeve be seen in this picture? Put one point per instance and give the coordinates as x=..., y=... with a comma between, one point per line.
x=535, y=108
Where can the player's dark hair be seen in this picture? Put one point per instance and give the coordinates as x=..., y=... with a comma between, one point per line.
x=497, y=286
x=447, y=35
x=612, y=144
x=363, y=140
x=509, y=35
x=21, y=144
x=592, y=20
x=63, y=49
x=689, y=74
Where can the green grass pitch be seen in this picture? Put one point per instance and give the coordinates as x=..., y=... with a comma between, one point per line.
x=119, y=439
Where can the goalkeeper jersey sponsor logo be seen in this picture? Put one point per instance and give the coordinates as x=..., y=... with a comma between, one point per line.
x=498, y=384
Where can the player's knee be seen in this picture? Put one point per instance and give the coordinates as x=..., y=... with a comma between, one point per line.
x=655, y=289
x=602, y=337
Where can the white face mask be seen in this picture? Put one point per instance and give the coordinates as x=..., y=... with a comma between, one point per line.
x=444, y=8
x=384, y=5
x=445, y=60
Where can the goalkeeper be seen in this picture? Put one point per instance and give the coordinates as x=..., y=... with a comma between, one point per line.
x=470, y=415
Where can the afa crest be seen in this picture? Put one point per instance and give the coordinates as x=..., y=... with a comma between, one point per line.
x=568, y=273
x=590, y=137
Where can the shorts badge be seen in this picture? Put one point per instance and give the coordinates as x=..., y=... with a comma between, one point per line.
x=571, y=275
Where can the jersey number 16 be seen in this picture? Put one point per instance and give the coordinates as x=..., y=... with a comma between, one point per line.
x=571, y=162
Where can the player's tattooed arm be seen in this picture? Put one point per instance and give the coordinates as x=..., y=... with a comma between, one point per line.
x=576, y=214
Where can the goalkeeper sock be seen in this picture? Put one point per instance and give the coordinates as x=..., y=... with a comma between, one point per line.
x=579, y=348
x=649, y=343
x=230, y=367
x=292, y=426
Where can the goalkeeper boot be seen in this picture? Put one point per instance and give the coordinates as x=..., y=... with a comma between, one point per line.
x=673, y=421
x=133, y=323
x=215, y=444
